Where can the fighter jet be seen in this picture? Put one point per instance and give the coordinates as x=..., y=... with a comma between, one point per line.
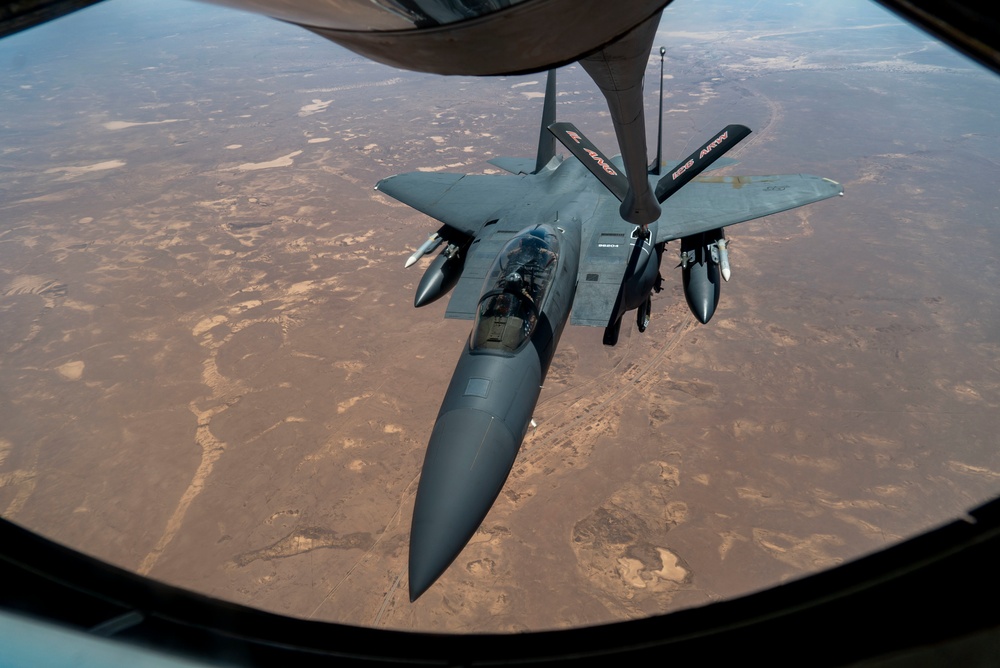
x=545, y=245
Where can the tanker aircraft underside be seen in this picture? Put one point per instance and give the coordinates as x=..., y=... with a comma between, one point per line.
x=547, y=244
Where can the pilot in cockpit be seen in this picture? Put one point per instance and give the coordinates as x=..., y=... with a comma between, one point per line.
x=532, y=248
x=515, y=284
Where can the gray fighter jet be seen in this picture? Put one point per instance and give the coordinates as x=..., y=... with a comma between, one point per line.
x=547, y=244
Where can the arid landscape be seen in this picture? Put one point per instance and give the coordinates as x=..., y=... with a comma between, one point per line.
x=211, y=371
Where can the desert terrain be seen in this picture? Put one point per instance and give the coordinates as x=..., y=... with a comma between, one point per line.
x=211, y=371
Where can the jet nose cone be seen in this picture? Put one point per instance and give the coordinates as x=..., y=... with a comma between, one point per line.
x=468, y=459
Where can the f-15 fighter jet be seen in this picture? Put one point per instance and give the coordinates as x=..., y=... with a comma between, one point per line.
x=546, y=244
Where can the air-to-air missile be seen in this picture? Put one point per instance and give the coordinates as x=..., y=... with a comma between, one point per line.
x=723, y=247
x=426, y=248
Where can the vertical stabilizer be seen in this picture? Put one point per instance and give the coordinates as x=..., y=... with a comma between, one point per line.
x=546, y=141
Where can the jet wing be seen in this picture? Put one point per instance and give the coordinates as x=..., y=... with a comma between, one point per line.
x=710, y=202
x=514, y=165
x=706, y=203
x=473, y=204
x=461, y=201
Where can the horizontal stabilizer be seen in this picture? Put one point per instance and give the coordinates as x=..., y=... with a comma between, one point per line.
x=598, y=163
x=698, y=161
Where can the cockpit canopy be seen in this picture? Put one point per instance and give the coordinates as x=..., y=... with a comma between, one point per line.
x=515, y=290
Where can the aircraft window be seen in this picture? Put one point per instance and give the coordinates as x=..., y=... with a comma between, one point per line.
x=514, y=291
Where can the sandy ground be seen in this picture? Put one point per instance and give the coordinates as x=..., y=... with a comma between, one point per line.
x=212, y=372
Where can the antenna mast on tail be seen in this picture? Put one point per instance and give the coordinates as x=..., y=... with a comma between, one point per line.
x=656, y=166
